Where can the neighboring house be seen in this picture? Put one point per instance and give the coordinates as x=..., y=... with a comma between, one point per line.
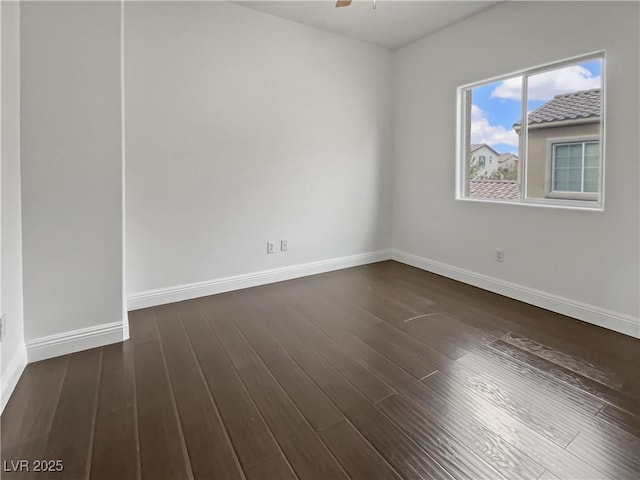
x=486, y=159
x=508, y=161
x=563, y=159
x=488, y=164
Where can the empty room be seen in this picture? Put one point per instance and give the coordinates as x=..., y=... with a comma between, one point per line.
x=361, y=239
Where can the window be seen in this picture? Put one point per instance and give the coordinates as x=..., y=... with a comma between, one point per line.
x=544, y=127
x=575, y=167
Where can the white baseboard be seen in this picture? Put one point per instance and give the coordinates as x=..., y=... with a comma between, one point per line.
x=611, y=320
x=76, y=340
x=618, y=322
x=162, y=296
x=11, y=374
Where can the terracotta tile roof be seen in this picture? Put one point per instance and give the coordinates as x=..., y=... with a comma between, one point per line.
x=568, y=106
x=495, y=189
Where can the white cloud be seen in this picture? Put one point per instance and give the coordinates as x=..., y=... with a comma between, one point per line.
x=545, y=85
x=509, y=89
x=483, y=132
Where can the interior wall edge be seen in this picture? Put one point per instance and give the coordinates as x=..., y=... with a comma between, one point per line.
x=11, y=374
x=71, y=167
x=616, y=321
x=123, y=238
x=13, y=358
x=162, y=296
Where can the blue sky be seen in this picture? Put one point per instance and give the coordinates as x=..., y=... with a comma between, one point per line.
x=497, y=106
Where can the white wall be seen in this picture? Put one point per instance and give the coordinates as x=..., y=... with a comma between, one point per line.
x=12, y=348
x=587, y=257
x=71, y=168
x=243, y=127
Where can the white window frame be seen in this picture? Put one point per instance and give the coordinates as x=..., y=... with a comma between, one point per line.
x=553, y=201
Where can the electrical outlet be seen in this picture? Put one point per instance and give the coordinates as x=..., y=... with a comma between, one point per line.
x=283, y=246
x=3, y=324
x=499, y=255
x=271, y=247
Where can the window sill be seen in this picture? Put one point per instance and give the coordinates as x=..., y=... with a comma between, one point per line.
x=575, y=196
x=544, y=203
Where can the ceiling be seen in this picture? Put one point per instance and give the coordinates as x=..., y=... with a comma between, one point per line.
x=393, y=24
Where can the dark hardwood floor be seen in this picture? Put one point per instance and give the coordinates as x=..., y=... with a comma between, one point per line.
x=382, y=371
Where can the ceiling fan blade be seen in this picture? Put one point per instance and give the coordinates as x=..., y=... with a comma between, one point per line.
x=343, y=3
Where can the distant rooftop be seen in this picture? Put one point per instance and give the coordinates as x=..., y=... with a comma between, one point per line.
x=568, y=106
x=502, y=157
x=507, y=156
x=494, y=189
x=475, y=146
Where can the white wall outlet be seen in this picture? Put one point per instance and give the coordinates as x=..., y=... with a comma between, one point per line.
x=499, y=255
x=284, y=246
x=271, y=247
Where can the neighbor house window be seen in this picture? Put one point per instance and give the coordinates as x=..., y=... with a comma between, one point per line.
x=544, y=125
x=575, y=167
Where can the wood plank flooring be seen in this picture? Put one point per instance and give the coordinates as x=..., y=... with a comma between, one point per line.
x=381, y=371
